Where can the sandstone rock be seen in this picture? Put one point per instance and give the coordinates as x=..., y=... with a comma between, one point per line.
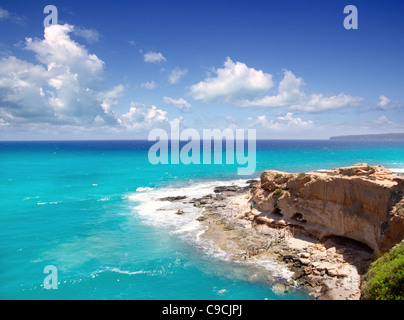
x=358, y=202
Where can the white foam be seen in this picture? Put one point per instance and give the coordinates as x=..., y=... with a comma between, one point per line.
x=128, y=272
x=51, y=202
x=142, y=189
x=277, y=270
x=397, y=170
x=162, y=214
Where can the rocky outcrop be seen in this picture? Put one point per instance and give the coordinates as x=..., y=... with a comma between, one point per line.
x=361, y=202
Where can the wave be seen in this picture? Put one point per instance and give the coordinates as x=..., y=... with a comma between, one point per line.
x=141, y=189
x=153, y=211
x=397, y=170
x=104, y=199
x=129, y=272
x=50, y=202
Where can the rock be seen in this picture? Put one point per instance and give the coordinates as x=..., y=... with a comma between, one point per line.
x=304, y=255
x=332, y=271
x=175, y=198
x=180, y=212
x=279, y=288
x=289, y=257
x=226, y=188
x=358, y=202
x=304, y=261
x=298, y=274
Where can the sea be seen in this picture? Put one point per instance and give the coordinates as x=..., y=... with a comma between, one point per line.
x=89, y=211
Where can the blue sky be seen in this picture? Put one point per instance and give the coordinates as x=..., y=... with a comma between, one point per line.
x=118, y=69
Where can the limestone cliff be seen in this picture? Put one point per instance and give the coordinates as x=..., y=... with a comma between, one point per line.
x=361, y=202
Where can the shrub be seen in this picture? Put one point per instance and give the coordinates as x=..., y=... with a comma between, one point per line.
x=278, y=192
x=385, y=278
x=278, y=175
x=301, y=175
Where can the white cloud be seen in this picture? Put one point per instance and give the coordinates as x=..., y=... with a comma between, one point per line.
x=386, y=104
x=179, y=103
x=243, y=86
x=58, y=51
x=140, y=117
x=289, y=92
x=287, y=122
x=383, y=101
x=319, y=102
x=291, y=95
x=150, y=85
x=234, y=81
x=154, y=57
x=109, y=99
x=64, y=90
x=90, y=35
x=176, y=74
x=383, y=120
x=65, y=87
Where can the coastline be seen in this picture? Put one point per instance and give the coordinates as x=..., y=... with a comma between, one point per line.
x=329, y=270
x=222, y=223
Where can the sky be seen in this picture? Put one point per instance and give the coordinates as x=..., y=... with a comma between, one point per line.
x=117, y=69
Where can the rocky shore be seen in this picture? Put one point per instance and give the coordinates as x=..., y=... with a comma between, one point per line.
x=255, y=224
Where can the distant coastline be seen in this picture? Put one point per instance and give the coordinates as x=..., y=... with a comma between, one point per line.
x=371, y=137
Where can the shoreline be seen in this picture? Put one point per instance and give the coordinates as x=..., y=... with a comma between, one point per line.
x=284, y=257
x=324, y=270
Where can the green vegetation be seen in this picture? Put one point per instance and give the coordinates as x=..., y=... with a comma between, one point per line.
x=278, y=175
x=278, y=192
x=301, y=175
x=394, y=193
x=385, y=278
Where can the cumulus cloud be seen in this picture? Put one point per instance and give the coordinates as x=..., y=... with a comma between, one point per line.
x=180, y=103
x=232, y=82
x=140, y=117
x=386, y=104
x=109, y=98
x=291, y=95
x=65, y=88
x=243, y=86
x=176, y=74
x=154, y=57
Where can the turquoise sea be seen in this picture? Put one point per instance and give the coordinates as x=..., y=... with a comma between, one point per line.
x=90, y=209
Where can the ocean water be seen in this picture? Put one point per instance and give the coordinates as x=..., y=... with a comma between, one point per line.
x=91, y=209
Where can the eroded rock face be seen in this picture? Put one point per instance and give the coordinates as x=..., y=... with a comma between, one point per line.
x=361, y=202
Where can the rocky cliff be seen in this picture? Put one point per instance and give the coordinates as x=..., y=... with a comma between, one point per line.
x=361, y=202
